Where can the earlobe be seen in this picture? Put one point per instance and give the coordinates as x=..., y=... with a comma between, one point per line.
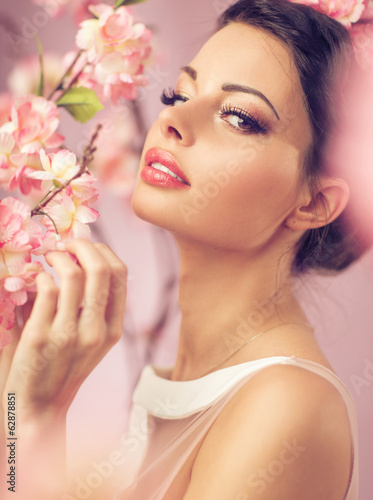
x=327, y=203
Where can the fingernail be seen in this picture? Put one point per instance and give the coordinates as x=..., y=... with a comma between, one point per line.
x=61, y=245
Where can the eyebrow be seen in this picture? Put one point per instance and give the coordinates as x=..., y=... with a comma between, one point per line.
x=190, y=71
x=232, y=87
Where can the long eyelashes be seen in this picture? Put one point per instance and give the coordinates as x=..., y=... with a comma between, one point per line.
x=245, y=122
x=248, y=123
x=169, y=96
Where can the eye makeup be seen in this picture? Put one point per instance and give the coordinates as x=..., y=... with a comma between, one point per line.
x=246, y=123
x=237, y=118
x=169, y=97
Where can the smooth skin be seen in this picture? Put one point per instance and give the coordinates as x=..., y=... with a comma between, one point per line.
x=69, y=330
x=235, y=256
x=236, y=252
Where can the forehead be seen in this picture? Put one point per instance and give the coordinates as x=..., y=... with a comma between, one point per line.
x=245, y=54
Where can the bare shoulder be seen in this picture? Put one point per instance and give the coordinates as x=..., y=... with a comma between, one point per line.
x=284, y=434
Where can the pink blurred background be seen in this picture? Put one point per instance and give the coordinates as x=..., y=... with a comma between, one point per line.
x=339, y=307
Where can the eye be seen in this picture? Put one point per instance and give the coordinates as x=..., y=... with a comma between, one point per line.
x=171, y=98
x=243, y=121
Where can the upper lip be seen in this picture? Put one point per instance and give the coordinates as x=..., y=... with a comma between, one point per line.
x=155, y=155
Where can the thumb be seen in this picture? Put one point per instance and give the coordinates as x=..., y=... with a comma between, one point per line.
x=7, y=353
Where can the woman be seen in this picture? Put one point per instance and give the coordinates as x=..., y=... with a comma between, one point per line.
x=233, y=169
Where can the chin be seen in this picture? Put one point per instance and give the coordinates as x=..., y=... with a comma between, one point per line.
x=149, y=205
x=141, y=208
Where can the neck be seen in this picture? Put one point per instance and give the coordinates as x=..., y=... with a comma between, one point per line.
x=226, y=297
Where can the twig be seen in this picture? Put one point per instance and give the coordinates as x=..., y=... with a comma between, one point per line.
x=73, y=81
x=60, y=83
x=85, y=161
x=50, y=218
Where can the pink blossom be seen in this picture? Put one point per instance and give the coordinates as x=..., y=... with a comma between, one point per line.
x=82, y=188
x=8, y=165
x=51, y=241
x=13, y=169
x=70, y=216
x=110, y=31
x=19, y=284
x=19, y=236
x=368, y=12
x=60, y=166
x=122, y=85
x=20, y=179
x=33, y=124
x=10, y=224
x=344, y=11
x=119, y=75
x=362, y=39
x=116, y=49
x=350, y=153
x=24, y=78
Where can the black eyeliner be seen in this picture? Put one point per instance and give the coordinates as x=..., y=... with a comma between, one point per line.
x=169, y=96
x=256, y=126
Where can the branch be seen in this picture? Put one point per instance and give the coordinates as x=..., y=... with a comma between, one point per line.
x=59, y=85
x=85, y=161
x=73, y=81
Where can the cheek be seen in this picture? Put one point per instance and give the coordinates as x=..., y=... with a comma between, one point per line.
x=239, y=194
x=250, y=193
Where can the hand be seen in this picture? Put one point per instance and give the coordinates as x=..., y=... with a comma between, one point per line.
x=69, y=329
x=68, y=332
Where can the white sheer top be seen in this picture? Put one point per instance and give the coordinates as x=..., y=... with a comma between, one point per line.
x=183, y=412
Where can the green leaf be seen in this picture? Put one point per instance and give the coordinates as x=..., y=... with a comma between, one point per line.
x=81, y=103
x=40, y=86
x=56, y=183
x=119, y=3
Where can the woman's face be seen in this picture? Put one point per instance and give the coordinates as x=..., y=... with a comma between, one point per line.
x=237, y=130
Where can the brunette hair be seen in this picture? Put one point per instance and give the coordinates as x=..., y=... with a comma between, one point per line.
x=321, y=46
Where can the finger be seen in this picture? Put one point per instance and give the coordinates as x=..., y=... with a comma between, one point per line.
x=118, y=291
x=27, y=308
x=7, y=352
x=45, y=305
x=72, y=285
x=22, y=314
x=97, y=273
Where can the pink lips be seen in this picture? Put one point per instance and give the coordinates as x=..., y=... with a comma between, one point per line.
x=159, y=178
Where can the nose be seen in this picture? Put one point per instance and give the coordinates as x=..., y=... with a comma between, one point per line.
x=176, y=123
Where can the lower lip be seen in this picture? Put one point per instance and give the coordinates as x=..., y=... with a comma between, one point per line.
x=161, y=179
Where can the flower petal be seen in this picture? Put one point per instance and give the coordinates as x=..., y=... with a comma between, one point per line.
x=86, y=214
x=14, y=284
x=19, y=298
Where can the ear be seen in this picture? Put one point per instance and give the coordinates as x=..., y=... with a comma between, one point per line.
x=321, y=208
